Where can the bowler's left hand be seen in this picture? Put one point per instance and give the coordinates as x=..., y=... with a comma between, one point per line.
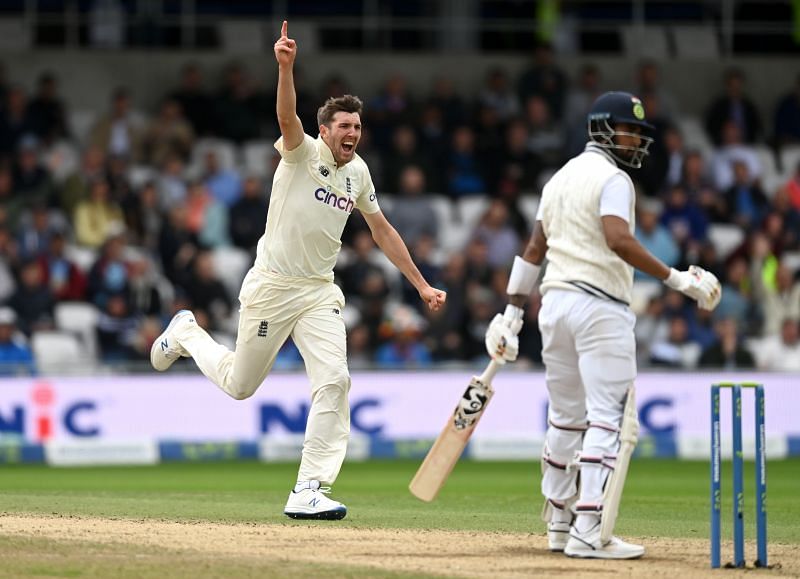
x=434, y=298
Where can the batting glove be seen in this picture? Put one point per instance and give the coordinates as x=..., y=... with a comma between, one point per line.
x=502, y=343
x=697, y=283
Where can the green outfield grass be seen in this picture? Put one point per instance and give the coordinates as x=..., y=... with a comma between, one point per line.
x=662, y=498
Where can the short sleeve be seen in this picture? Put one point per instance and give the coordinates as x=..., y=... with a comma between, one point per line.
x=616, y=197
x=367, y=199
x=300, y=153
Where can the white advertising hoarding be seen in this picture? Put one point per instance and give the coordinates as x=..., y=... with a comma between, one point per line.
x=396, y=405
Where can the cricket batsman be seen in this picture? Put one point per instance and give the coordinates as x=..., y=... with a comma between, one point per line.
x=289, y=291
x=585, y=229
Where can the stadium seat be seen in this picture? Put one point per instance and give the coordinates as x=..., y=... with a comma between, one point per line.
x=83, y=257
x=469, y=211
x=80, y=123
x=79, y=319
x=694, y=135
x=726, y=238
x=790, y=157
x=528, y=205
x=231, y=264
x=139, y=175
x=791, y=259
x=225, y=150
x=58, y=352
x=450, y=238
x=257, y=158
x=771, y=178
x=61, y=159
x=645, y=42
x=695, y=42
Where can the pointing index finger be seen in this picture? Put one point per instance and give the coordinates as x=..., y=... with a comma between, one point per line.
x=284, y=29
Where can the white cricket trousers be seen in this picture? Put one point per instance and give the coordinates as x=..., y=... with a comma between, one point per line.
x=274, y=307
x=589, y=353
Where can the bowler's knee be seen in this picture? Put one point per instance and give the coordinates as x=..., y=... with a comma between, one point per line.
x=240, y=390
x=336, y=382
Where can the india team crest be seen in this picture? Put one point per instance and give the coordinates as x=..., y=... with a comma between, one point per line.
x=638, y=109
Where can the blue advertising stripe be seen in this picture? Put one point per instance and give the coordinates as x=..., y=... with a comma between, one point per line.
x=207, y=451
x=657, y=446
x=21, y=453
x=793, y=445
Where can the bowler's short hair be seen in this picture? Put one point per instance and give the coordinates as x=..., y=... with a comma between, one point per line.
x=346, y=104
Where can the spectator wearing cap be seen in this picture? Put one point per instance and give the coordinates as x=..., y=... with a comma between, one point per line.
x=15, y=356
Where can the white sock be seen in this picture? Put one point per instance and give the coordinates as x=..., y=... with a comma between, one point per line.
x=561, y=516
x=585, y=522
x=306, y=484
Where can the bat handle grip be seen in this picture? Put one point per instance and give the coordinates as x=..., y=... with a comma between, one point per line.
x=489, y=373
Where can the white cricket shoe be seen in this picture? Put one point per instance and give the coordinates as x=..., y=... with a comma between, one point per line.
x=557, y=536
x=166, y=349
x=308, y=501
x=588, y=546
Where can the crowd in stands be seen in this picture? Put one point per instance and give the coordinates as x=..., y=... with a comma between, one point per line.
x=136, y=214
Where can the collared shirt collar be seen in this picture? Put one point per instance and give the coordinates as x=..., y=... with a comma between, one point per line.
x=594, y=148
x=325, y=152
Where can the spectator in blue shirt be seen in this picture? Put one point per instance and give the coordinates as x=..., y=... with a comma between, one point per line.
x=15, y=356
x=654, y=236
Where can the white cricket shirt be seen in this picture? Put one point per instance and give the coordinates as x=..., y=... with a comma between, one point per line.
x=310, y=202
x=571, y=209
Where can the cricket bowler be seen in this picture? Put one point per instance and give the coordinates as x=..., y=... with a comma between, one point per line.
x=289, y=291
x=585, y=229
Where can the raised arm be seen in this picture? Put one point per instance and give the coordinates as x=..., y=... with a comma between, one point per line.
x=286, y=105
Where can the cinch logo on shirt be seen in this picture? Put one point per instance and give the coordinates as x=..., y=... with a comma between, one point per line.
x=330, y=198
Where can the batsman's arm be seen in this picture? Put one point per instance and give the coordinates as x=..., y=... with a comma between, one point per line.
x=502, y=343
x=621, y=241
x=534, y=253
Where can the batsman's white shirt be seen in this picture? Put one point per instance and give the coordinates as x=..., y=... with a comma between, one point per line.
x=570, y=212
x=289, y=291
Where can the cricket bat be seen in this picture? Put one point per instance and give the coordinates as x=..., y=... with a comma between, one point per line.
x=447, y=449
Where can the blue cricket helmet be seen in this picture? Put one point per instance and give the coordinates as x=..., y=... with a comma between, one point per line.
x=611, y=109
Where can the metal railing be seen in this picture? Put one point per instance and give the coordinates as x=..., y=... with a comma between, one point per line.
x=440, y=26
